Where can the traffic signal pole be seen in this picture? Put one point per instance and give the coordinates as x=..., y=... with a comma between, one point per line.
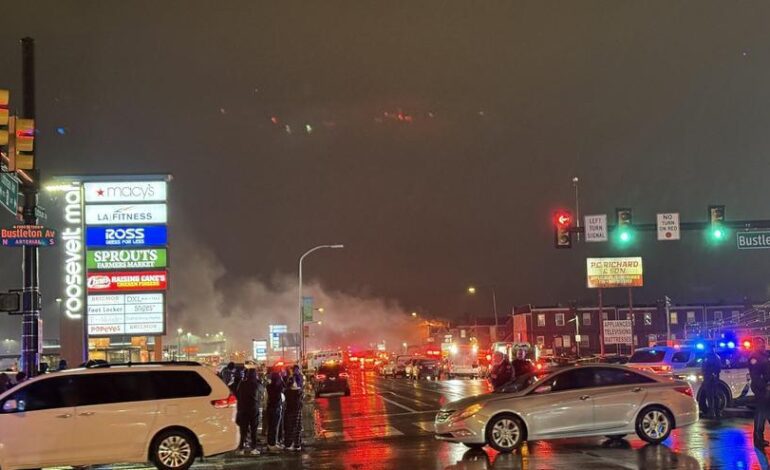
x=30, y=336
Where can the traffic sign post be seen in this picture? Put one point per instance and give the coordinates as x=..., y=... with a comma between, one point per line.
x=9, y=192
x=668, y=226
x=596, y=228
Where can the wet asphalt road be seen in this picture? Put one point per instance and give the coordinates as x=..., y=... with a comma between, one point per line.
x=386, y=424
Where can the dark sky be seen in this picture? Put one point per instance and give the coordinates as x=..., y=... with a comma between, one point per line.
x=659, y=106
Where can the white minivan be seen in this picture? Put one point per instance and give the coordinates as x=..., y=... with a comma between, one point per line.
x=165, y=413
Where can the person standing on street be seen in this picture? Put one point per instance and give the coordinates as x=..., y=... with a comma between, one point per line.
x=274, y=403
x=228, y=376
x=712, y=366
x=502, y=372
x=522, y=365
x=293, y=421
x=249, y=396
x=759, y=371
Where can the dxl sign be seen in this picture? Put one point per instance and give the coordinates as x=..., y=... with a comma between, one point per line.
x=753, y=240
x=614, y=272
x=131, y=191
x=618, y=332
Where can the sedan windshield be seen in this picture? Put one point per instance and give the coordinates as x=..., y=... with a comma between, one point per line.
x=521, y=382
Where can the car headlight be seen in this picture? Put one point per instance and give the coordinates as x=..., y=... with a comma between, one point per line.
x=468, y=412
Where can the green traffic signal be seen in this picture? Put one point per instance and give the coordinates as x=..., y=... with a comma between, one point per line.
x=624, y=236
x=717, y=234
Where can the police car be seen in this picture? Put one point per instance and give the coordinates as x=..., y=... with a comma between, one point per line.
x=685, y=363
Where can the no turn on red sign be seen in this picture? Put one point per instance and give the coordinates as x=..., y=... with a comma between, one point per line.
x=668, y=226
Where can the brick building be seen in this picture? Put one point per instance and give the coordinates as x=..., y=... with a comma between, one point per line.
x=553, y=330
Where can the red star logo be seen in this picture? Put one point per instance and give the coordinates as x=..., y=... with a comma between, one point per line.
x=100, y=192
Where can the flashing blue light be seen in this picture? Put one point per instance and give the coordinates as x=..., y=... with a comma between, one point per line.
x=700, y=346
x=731, y=345
x=722, y=344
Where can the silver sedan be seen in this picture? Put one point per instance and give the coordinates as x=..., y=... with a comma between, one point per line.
x=580, y=401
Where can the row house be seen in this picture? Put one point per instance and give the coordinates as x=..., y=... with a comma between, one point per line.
x=554, y=329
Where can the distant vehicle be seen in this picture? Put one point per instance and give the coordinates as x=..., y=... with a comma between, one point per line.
x=463, y=361
x=593, y=400
x=332, y=377
x=317, y=358
x=428, y=369
x=663, y=359
x=169, y=413
x=388, y=369
x=401, y=365
x=367, y=360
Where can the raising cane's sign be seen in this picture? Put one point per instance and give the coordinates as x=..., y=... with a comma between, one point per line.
x=127, y=281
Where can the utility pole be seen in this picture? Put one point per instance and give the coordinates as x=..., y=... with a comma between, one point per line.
x=576, y=319
x=30, y=336
x=667, y=300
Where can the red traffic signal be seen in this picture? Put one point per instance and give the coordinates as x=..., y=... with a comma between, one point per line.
x=562, y=221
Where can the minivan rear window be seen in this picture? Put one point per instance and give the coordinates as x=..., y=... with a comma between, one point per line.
x=647, y=356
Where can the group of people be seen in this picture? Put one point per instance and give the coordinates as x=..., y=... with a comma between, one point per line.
x=9, y=379
x=504, y=370
x=282, y=417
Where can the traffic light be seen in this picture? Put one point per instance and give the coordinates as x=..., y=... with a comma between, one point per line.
x=562, y=223
x=624, y=232
x=717, y=231
x=20, y=152
x=4, y=96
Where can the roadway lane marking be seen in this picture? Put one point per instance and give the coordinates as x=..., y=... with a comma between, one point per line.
x=398, y=404
x=384, y=415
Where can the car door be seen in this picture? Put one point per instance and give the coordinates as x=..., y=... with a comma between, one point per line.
x=617, y=397
x=37, y=424
x=116, y=410
x=562, y=405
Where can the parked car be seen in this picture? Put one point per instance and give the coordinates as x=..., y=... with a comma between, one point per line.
x=580, y=401
x=167, y=413
x=332, y=377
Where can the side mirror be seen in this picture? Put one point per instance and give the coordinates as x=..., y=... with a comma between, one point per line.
x=543, y=389
x=12, y=405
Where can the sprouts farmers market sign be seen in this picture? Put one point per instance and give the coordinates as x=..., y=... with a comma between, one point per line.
x=127, y=259
x=602, y=273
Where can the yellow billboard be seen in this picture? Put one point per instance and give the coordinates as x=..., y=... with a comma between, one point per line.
x=605, y=273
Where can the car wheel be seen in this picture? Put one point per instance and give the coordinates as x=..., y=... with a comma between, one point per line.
x=474, y=446
x=654, y=424
x=723, y=401
x=174, y=450
x=505, y=433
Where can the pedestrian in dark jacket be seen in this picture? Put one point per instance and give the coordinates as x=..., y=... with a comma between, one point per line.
x=710, y=369
x=293, y=418
x=502, y=372
x=274, y=403
x=249, y=396
x=228, y=376
x=521, y=365
x=759, y=372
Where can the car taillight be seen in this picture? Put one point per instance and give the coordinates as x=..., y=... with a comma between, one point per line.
x=664, y=368
x=343, y=375
x=320, y=376
x=686, y=390
x=229, y=402
x=539, y=366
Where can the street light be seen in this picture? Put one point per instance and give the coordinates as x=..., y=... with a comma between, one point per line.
x=301, y=316
x=188, y=345
x=414, y=314
x=472, y=291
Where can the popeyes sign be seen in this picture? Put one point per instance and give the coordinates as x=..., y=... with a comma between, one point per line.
x=127, y=281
